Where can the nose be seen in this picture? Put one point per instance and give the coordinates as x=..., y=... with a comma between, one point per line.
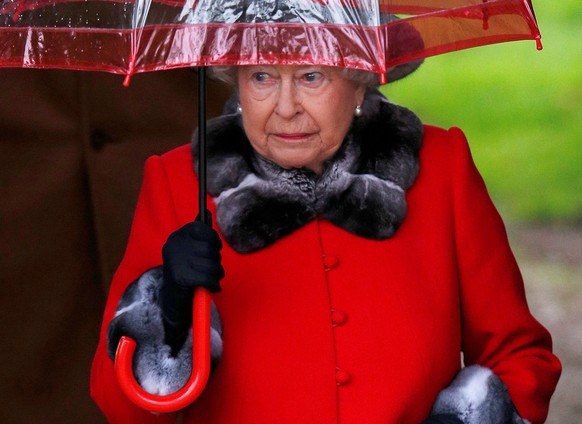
x=288, y=102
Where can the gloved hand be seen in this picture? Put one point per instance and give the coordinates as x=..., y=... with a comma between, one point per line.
x=191, y=258
x=443, y=419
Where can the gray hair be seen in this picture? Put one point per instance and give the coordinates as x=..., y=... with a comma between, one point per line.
x=227, y=74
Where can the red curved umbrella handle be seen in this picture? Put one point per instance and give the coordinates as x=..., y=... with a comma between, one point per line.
x=200, y=364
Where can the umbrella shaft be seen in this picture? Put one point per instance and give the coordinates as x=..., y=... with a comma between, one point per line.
x=202, y=144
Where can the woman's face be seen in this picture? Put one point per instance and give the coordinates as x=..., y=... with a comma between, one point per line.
x=297, y=116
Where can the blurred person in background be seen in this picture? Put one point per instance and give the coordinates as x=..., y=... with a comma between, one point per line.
x=73, y=146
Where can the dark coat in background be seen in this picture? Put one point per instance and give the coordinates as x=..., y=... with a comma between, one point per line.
x=72, y=148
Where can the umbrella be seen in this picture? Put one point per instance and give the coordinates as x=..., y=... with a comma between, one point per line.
x=132, y=36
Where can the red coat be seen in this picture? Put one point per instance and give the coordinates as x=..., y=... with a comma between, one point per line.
x=327, y=327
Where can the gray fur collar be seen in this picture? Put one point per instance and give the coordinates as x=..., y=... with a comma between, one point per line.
x=362, y=188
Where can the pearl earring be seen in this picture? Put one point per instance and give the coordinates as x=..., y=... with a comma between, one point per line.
x=358, y=110
x=239, y=108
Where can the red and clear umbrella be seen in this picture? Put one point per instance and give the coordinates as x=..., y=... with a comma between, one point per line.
x=132, y=36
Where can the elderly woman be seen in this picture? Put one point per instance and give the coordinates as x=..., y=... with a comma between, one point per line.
x=367, y=274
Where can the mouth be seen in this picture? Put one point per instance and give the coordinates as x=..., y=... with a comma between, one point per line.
x=293, y=136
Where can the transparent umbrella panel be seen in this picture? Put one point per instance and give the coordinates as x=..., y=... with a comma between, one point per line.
x=133, y=36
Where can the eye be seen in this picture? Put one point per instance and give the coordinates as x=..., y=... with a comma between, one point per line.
x=261, y=77
x=312, y=76
x=312, y=79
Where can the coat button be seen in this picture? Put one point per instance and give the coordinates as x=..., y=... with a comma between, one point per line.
x=341, y=377
x=338, y=317
x=330, y=262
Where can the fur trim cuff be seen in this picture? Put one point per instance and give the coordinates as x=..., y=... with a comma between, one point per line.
x=477, y=396
x=139, y=317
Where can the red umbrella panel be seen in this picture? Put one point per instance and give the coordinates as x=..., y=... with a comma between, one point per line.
x=132, y=36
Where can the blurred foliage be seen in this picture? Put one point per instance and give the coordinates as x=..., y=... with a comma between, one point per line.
x=521, y=110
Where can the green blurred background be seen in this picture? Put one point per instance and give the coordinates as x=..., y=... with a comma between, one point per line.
x=521, y=110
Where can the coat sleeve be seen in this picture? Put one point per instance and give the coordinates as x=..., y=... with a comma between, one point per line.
x=498, y=330
x=154, y=219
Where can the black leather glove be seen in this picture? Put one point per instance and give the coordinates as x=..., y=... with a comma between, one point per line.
x=443, y=419
x=191, y=258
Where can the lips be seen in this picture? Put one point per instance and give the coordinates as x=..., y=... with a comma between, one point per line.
x=293, y=136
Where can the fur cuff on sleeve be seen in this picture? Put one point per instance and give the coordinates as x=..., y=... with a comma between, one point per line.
x=139, y=317
x=477, y=396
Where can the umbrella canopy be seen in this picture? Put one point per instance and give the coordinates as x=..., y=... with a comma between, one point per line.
x=131, y=36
